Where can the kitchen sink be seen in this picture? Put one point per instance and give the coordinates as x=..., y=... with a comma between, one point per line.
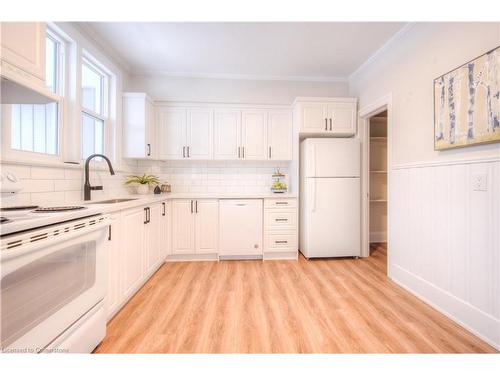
x=111, y=201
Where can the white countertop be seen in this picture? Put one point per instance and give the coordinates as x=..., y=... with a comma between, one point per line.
x=141, y=200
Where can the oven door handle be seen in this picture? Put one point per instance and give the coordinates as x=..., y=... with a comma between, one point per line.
x=50, y=241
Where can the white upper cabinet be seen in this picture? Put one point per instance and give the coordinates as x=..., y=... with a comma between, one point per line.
x=139, y=129
x=279, y=135
x=171, y=133
x=227, y=134
x=23, y=49
x=200, y=126
x=254, y=135
x=334, y=117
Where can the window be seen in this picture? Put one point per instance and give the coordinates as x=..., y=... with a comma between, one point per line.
x=35, y=127
x=94, y=100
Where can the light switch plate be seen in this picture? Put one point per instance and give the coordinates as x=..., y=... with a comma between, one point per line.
x=480, y=182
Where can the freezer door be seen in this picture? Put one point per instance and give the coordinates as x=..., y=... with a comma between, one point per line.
x=333, y=217
x=331, y=157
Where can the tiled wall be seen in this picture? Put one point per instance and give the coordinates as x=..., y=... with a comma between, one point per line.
x=56, y=186
x=215, y=176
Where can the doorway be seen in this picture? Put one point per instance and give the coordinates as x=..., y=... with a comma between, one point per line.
x=375, y=134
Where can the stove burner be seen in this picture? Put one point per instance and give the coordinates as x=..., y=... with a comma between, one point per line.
x=59, y=209
x=18, y=208
x=3, y=220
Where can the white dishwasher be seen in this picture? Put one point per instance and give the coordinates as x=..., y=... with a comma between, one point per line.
x=240, y=228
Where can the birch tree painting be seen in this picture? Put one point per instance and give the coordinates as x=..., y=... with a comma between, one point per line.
x=467, y=103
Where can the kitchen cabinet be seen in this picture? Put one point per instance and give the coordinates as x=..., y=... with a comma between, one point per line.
x=227, y=137
x=279, y=135
x=334, y=117
x=133, y=222
x=152, y=237
x=23, y=51
x=114, y=294
x=165, y=231
x=139, y=129
x=254, y=135
x=194, y=226
x=280, y=228
x=185, y=133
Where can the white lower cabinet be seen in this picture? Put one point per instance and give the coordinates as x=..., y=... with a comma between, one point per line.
x=194, y=226
x=138, y=243
x=280, y=228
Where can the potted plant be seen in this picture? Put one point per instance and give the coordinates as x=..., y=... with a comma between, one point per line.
x=142, y=182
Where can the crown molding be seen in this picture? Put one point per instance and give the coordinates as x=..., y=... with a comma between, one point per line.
x=390, y=42
x=248, y=77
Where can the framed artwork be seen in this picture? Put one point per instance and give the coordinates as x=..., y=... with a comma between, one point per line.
x=466, y=103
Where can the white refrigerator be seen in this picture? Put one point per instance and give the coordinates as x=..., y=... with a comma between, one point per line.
x=330, y=200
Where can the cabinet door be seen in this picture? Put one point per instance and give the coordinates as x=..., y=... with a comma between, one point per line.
x=207, y=225
x=200, y=124
x=254, y=135
x=183, y=224
x=133, y=250
x=171, y=130
x=279, y=134
x=313, y=118
x=152, y=238
x=343, y=116
x=165, y=231
x=114, y=295
x=151, y=151
x=137, y=137
x=227, y=134
x=23, y=45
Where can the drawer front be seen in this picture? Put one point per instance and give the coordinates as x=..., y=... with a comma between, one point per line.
x=280, y=203
x=280, y=219
x=286, y=241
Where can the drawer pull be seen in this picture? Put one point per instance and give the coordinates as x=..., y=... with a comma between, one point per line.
x=283, y=241
x=281, y=203
x=280, y=219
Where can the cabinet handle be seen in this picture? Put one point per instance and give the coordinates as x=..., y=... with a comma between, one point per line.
x=243, y=152
x=149, y=215
x=196, y=206
x=191, y=206
x=109, y=232
x=326, y=124
x=146, y=215
x=281, y=203
x=149, y=149
x=188, y=152
x=330, y=124
x=163, y=203
x=281, y=241
x=183, y=151
x=269, y=152
x=238, y=152
x=280, y=219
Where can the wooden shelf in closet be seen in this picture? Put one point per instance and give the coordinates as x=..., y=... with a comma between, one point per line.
x=378, y=200
x=381, y=172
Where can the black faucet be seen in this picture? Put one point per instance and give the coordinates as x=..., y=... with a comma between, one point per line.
x=87, y=188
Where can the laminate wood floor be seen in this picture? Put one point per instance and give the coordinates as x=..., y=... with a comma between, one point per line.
x=317, y=306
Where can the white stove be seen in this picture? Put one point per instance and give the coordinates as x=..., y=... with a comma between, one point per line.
x=16, y=220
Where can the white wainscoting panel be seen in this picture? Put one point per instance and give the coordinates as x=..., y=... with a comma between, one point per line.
x=445, y=241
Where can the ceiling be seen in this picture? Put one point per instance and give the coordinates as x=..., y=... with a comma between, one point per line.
x=274, y=50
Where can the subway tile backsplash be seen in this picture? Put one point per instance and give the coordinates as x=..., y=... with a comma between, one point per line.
x=57, y=186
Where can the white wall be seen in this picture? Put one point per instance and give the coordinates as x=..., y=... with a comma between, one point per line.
x=444, y=237
x=230, y=90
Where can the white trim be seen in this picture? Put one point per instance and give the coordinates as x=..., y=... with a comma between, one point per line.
x=492, y=159
x=395, y=38
x=216, y=105
x=241, y=77
x=60, y=164
x=484, y=326
x=324, y=99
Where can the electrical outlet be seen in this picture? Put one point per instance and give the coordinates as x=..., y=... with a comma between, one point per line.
x=480, y=182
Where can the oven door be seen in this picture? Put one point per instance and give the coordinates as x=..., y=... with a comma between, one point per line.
x=48, y=284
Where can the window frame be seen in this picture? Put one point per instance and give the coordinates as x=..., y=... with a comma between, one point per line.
x=13, y=154
x=94, y=65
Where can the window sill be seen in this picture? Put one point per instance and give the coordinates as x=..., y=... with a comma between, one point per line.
x=94, y=166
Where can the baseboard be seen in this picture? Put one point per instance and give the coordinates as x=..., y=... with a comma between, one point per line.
x=378, y=236
x=240, y=257
x=281, y=255
x=483, y=325
x=191, y=257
